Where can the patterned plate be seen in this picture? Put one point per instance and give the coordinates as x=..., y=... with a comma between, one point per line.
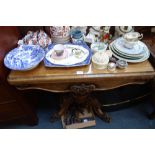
x=145, y=57
x=24, y=57
x=136, y=56
x=137, y=49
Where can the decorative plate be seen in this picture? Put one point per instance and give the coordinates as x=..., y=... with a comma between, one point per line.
x=123, y=56
x=77, y=55
x=24, y=57
x=137, y=49
x=145, y=57
x=136, y=56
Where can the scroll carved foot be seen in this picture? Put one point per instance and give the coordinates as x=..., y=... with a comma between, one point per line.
x=78, y=100
x=97, y=109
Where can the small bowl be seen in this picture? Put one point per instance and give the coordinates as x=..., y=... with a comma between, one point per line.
x=59, y=49
x=98, y=47
x=100, y=60
x=122, y=64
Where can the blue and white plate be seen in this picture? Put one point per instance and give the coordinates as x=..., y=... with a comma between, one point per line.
x=71, y=60
x=136, y=50
x=24, y=57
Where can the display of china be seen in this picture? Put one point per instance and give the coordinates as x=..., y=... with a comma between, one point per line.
x=130, y=39
x=98, y=47
x=59, y=49
x=60, y=34
x=100, y=60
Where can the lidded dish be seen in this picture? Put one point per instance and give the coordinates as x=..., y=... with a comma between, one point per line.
x=100, y=60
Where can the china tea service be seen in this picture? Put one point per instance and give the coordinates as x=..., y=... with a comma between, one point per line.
x=58, y=51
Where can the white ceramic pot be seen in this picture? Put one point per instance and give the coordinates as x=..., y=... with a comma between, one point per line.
x=100, y=60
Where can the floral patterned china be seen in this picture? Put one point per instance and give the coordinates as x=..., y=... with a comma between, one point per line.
x=35, y=38
x=24, y=57
x=74, y=55
x=60, y=34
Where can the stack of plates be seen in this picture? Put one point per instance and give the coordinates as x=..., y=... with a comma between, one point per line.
x=138, y=53
x=60, y=34
x=60, y=40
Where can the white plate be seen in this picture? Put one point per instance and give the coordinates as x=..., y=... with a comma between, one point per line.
x=137, y=49
x=146, y=56
x=127, y=55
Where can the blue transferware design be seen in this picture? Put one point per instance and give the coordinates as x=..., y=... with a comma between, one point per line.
x=85, y=62
x=24, y=57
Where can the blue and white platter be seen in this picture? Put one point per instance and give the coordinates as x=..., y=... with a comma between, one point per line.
x=69, y=59
x=136, y=50
x=24, y=57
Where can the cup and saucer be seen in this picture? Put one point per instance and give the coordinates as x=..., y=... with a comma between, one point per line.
x=131, y=39
x=59, y=52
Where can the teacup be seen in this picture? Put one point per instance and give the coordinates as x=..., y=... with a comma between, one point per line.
x=131, y=38
x=76, y=34
x=59, y=49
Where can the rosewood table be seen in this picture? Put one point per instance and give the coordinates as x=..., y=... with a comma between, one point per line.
x=79, y=82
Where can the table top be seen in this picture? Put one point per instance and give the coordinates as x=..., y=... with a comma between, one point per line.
x=42, y=74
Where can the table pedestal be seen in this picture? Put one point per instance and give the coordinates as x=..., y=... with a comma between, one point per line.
x=79, y=99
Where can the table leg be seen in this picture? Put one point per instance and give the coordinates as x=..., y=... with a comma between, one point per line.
x=79, y=99
x=152, y=115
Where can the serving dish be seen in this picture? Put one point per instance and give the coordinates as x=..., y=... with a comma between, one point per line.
x=74, y=55
x=24, y=57
x=100, y=60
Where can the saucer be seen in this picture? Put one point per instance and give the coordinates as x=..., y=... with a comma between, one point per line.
x=63, y=56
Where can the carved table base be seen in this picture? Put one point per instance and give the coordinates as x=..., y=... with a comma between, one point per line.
x=79, y=99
